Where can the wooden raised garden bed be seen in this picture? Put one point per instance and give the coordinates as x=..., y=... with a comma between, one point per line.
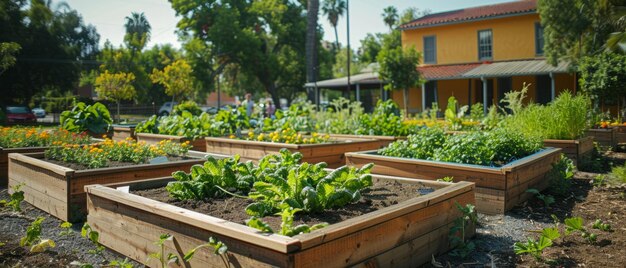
x=4, y=160
x=149, y=138
x=620, y=135
x=332, y=152
x=121, y=133
x=406, y=234
x=498, y=189
x=577, y=150
x=382, y=140
x=59, y=190
x=603, y=136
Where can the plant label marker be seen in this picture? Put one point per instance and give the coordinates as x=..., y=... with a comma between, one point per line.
x=124, y=189
x=159, y=160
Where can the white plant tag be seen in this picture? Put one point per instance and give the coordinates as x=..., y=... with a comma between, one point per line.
x=124, y=189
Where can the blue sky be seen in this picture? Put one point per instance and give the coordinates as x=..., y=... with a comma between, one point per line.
x=108, y=17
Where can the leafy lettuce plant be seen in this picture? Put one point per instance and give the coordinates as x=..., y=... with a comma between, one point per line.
x=308, y=187
x=215, y=178
x=82, y=117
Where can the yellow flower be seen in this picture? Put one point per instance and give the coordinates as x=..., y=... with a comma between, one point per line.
x=231, y=136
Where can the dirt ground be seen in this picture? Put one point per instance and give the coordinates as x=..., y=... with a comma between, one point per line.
x=497, y=234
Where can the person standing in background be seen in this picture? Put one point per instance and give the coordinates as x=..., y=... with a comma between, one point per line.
x=269, y=108
x=249, y=104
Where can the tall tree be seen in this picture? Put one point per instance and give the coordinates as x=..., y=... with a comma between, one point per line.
x=55, y=45
x=398, y=67
x=7, y=55
x=263, y=39
x=177, y=79
x=137, y=32
x=574, y=28
x=390, y=16
x=370, y=47
x=115, y=87
x=333, y=9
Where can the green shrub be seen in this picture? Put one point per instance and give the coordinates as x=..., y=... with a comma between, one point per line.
x=385, y=120
x=564, y=118
x=94, y=118
x=188, y=106
x=560, y=177
x=420, y=145
x=492, y=148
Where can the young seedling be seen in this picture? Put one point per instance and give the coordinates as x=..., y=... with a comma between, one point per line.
x=94, y=237
x=547, y=199
x=81, y=264
x=576, y=225
x=446, y=179
x=286, y=227
x=33, y=238
x=218, y=247
x=67, y=229
x=462, y=248
x=125, y=263
x=15, y=199
x=600, y=225
x=535, y=248
x=163, y=259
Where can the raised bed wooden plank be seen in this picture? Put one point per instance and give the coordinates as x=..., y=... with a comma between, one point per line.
x=413, y=230
x=603, y=136
x=577, y=150
x=64, y=187
x=331, y=153
x=4, y=160
x=496, y=187
x=149, y=138
x=122, y=133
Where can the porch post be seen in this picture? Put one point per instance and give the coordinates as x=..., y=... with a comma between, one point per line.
x=552, y=90
x=358, y=92
x=424, y=96
x=382, y=92
x=484, y=94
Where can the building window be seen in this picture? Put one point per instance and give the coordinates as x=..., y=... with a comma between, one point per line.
x=538, y=39
x=430, y=49
x=485, y=45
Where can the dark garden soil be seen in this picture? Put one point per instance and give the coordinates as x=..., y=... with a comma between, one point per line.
x=69, y=248
x=76, y=166
x=13, y=255
x=381, y=195
x=497, y=234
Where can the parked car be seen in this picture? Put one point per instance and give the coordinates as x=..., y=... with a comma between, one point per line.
x=20, y=114
x=39, y=112
x=166, y=108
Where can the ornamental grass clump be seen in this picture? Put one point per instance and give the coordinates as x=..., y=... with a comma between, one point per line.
x=15, y=137
x=564, y=119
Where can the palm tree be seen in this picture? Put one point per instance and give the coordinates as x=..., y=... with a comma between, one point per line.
x=137, y=31
x=390, y=16
x=333, y=9
x=617, y=40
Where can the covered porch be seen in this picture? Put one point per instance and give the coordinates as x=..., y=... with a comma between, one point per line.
x=364, y=87
x=487, y=83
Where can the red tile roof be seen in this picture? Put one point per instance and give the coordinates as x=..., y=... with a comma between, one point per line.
x=442, y=72
x=473, y=13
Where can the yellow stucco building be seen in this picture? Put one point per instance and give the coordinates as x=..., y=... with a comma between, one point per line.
x=478, y=54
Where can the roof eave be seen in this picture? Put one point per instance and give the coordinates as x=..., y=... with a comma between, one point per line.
x=468, y=20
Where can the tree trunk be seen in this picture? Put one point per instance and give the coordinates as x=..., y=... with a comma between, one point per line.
x=405, y=93
x=271, y=89
x=336, y=38
x=311, y=44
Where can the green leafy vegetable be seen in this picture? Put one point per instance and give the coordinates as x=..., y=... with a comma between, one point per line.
x=95, y=118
